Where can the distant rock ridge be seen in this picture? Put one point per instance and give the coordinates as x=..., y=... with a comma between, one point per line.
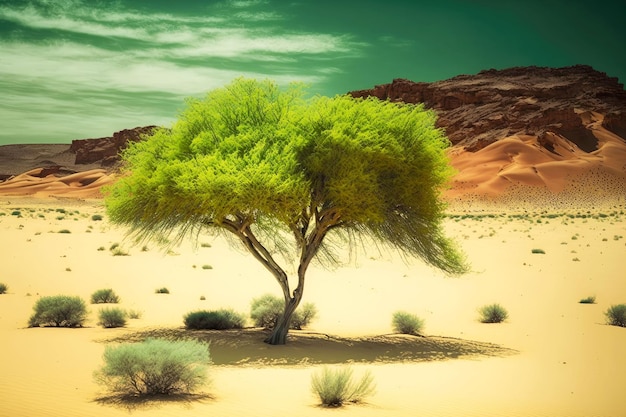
x=477, y=110
x=106, y=150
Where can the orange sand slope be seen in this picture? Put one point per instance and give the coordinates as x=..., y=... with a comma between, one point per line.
x=82, y=184
x=553, y=357
x=520, y=166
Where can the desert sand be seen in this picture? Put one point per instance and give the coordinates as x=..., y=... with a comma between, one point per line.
x=552, y=357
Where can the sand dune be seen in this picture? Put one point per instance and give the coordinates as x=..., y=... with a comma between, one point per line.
x=85, y=184
x=553, y=357
x=518, y=169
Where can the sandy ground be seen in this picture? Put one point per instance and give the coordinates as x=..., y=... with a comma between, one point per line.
x=554, y=356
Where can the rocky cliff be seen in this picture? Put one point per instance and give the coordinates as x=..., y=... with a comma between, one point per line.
x=106, y=150
x=477, y=110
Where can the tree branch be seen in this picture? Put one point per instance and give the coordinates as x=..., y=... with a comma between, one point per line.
x=242, y=230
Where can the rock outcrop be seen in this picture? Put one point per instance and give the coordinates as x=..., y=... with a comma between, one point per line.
x=477, y=110
x=549, y=136
x=106, y=150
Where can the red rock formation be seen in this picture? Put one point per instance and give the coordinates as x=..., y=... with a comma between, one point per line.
x=106, y=150
x=476, y=110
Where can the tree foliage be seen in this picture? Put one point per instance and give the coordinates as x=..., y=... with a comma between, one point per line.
x=263, y=163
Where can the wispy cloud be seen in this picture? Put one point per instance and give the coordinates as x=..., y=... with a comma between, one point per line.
x=109, y=23
x=80, y=50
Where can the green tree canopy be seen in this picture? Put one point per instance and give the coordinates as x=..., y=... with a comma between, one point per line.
x=257, y=161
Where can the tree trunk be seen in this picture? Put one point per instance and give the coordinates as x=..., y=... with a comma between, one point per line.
x=278, y=336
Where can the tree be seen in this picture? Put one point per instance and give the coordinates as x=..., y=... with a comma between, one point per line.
x=283, y=173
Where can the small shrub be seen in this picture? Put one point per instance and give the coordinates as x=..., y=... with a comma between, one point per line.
x=335, y=387
x=214, y=320
x=266, y=310
x=202, y=298
x=3, y=288
x=119, y=252
x=493, y=313
x=59, y=311
x=65, y=231
x=96, y=217
x=155, y=367
x=539, y=251
x=616, y=315
x=114, y=246
x=112, y=317
x=16, y=213
x=588, y=300
x=303, y=316
x=162, y=290
x=133, y=314
x=105, y=295
x=101, y=248
x=207, y=267
x=406, y=323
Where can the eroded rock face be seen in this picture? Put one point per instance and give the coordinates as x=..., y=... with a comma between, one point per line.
x=477, y=110
x=106, y=150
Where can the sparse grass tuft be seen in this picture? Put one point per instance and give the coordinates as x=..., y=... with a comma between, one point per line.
x=493, y=313
x=119, y=252
x=112, y=317
x=96, y=217
x=616, y=315
x=588, y=300
x=3, y=288
x=540, y=251
x=133, y=314
x=214, y=320
x=406, y=323
x=162, y=290
x=65, y=231
x=207, y=267
x=335, y=387
x=105, y=295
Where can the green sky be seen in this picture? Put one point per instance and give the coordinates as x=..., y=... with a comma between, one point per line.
x=72, y=69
